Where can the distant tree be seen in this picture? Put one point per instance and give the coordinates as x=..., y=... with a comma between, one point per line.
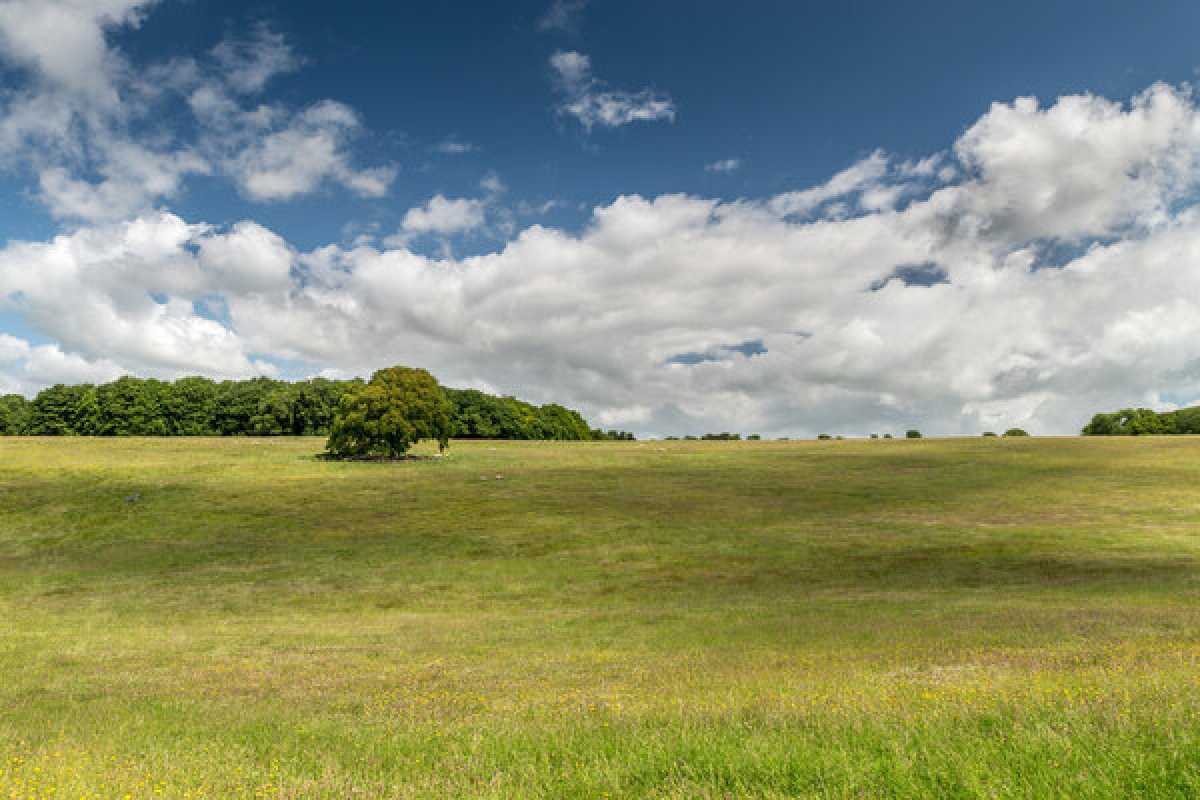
x=1187, y=420
x=912, y=434
x=315, y=403
x=754, y=437
x=399, y=407
x=1143, y=422
x=239, y=402
x=277, y=413
x=62, y=410
x=824, y=437
x=1015, y=432
x=887, y=436
x=562, y=424
x=874, y=435
x=131, y=406
x=14, y=415
x=189, y=405
x=989, y=433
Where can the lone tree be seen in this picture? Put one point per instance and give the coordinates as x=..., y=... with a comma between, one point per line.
x=398, y=408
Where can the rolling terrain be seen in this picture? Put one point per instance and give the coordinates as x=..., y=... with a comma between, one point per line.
x=954, y=618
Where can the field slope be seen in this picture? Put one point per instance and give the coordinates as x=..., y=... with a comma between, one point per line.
x=961, y=618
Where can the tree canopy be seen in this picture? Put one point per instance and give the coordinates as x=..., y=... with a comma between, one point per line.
x=197, y=406
x=1144, y=422
x=398, y=408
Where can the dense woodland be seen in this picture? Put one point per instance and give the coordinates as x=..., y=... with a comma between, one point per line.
x=1144, y=422
x=258, y=407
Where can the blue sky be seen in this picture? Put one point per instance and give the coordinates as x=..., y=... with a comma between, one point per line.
x=602, y=202
x=794, y=91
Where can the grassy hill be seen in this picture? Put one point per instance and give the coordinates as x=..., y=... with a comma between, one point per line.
x=957, y=618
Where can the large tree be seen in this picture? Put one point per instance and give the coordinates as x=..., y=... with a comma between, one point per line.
x=398, y=408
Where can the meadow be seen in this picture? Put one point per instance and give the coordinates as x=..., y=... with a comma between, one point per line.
x=229, y=618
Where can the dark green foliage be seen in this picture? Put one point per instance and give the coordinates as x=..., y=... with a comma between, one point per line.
x=131, y=407
x=479, y=415
x=1015, y=432
x=1144, y=422
x=724, y=436
x=754, y=437
x=989, y=433
x=189, y=406
x=398, y=408
x=64, y=411
x=912, y=434
x=197, y=406
x=887, y=436
x=562, y=424
x=615, y=436
x=824, y=437
x=14, y=415
x=874, y=435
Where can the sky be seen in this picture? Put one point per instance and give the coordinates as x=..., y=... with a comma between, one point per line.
x=779, y=217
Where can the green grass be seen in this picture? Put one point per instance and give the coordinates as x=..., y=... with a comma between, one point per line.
x=956, y=618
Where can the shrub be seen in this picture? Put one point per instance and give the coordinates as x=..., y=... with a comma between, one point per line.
x=1015, y=432
x=398, y=408
x=989, y=433
x=887, y=436
x=754, y=437
x=912, y=434
x=824, y=437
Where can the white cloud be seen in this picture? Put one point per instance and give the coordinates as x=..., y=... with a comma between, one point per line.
x=862, y=175
x=586, y=99
x=443, y=215
x=62, y=42
x=1044, y=268
x=306, y=151
x=249, y=64
x=562, y=15
x=724, y=165
x=103, y=140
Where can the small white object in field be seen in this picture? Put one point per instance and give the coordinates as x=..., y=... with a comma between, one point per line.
x=499, y=477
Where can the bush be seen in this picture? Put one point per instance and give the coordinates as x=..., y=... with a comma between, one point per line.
x=398, y=408
x=913, y=434
x=1015, y=432
x=754, y=437
x=887, y=436
x=824, y=437
x=989, y=433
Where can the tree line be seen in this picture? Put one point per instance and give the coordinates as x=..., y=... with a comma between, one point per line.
x=197, y=406
x=1144, y=422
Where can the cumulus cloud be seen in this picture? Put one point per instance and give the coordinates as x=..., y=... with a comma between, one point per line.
x=1042, y=269
x=299, y=155
x=586, y=99
x=445, y=215
x=102, y=138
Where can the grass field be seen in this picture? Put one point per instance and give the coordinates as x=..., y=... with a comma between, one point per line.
x=957, y=618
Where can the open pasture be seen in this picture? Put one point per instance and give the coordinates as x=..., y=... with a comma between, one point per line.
x=953, y=618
